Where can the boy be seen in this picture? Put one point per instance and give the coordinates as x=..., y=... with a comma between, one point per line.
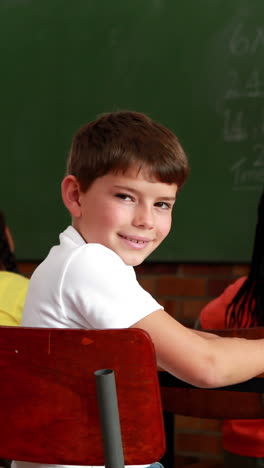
x=123, y=174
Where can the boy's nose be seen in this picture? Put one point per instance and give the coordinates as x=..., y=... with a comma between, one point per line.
x=143, y=218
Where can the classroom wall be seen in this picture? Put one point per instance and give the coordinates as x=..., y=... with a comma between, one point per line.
x=184, y=289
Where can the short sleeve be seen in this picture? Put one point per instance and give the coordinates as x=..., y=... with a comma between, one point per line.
x=99, y=291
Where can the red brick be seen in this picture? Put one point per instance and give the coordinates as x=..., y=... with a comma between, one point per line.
x=206, y=269
x=199, y=443
x=190, y=424
x=191, y=308
x=157, y=268
x=217, y=286
x=240, y=270
x=148, y=283
x=171, y=306
x=27, y=268
x=185, y=460
x=211, y=425
x=186, y=422
x=201, y=461
x=188, y=287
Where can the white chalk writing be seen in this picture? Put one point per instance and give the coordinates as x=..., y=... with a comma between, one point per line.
x=243, y=106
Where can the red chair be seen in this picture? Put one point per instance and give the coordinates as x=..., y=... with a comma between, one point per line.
x=49, y=397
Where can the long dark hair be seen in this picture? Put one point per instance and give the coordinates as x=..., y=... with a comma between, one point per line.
x=7, y=258
x=247, y=307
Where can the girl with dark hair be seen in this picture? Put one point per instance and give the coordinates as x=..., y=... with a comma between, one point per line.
x=247, y=307
x=13, y=286
x=242, y=306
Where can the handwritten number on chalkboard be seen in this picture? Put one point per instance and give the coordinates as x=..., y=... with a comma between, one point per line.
x=254, y=86
x=234, y=129
x=239, y=44
x=242, y=45
x=232, y=92
x=259, y=149
x=259, y=40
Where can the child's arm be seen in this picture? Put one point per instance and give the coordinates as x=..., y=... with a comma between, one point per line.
x=207, y=335
x=197, y=358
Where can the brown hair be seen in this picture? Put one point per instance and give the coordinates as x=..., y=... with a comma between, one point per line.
x=117, y=140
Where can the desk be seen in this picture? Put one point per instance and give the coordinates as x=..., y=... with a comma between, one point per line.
x=241, y=401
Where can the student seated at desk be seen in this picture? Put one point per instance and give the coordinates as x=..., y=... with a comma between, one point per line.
x=123, y=174
x=241, y=305
x=13, y=286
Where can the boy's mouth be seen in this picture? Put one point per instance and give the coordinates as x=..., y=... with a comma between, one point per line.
x=135, y=240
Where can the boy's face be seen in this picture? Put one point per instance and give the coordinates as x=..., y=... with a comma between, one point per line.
x=127, y=212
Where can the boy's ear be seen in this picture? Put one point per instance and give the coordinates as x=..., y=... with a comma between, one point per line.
x=70, y=191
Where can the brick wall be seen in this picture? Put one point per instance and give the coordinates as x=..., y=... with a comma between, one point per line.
x=183, y=289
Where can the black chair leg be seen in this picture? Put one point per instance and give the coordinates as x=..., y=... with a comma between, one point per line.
x=5, y=463
x=168, y=458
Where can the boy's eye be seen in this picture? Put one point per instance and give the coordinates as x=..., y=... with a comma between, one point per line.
x=124, y=196
x=164, y=205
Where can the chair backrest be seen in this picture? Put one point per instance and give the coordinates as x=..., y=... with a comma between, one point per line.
x=48, y=403
x=241, y=401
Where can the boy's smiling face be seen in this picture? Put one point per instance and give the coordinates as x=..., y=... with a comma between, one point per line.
x=130, y=213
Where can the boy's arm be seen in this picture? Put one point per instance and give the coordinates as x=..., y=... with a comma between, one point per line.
x=207, y=335
x=200, y=358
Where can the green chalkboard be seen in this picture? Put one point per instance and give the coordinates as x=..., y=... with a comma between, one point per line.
x=196, y=66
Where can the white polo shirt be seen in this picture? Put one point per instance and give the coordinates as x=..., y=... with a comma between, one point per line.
x=82, y=285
